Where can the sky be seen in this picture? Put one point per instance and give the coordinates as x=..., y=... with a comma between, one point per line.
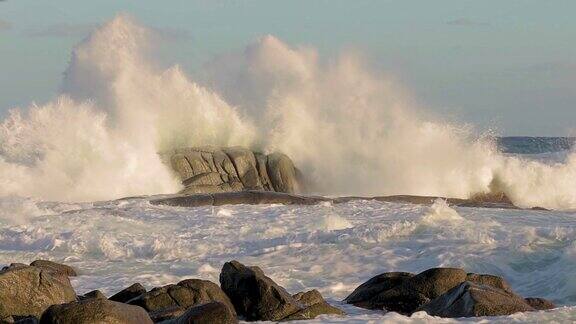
x=503, y=65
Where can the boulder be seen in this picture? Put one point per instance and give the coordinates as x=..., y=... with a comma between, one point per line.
x=255, y=296
x=469, y=299
x=363, y=295
x=92, y=294
x=490, y=280
x=95, y=310
x=403, y=292
x=128, y=293
x=185, y=294
x=314, y=305
x=166, y=314
x=210, y=313
x=540, y=303
x=28, y=291
x=213, y=170
x=55, y=267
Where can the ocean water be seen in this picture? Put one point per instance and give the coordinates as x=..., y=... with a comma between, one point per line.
x=66, y=166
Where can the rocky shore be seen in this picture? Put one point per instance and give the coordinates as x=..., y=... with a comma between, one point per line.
x=41, y=293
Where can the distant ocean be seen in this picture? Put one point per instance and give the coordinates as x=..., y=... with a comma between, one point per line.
x=534, y=145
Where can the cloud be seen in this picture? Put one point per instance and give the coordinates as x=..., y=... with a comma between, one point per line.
x=466, y=22
x=4, y=25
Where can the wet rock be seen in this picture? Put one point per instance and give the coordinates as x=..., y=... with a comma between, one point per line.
x=55, y=267
x=363, y=295
x=14, y=265
x=254, y=295
x=166, y=313
x=490, y=280
x=471, y=300
x=185, y=294
x=540, y=303
x=210, y=313
x=92, y=294
x=28, y=291
x=128, y=293
x=213, y=170
x=95, y=310
x=19, y=320
x=314, y=305
x=403, y=292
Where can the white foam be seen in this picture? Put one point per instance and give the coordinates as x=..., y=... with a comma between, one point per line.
x=348, y=130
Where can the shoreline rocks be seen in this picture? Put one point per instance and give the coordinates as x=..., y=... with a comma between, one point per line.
x=444, y=292
x=43, y=294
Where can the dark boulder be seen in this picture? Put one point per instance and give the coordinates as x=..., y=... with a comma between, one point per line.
x=95, y=310
x=165, y=314
x=314, y=305
x=540, y=303
x=185, y=294
x=210, y=313
x=363, y=295
x=490, y=280
x=28, y=291
x=403, y=292
x=92, y=294
x=254, y=295
x=55, y=267
x=128, y=293
x=471, y=300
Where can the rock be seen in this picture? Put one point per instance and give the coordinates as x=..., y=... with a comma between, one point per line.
x=540, y=303
x=28, y=291
x=128, y=293
x=472, y=300
x=92, y=294
x=314, y=305
x=254, y=295
x=95, y=310
x=282, y=173
x=490, y=280
x=19, y=320
x=403, y=292
x=166, y=313
x=55, y=267
x=213, y=170
x=362, y=296
x=235, y=198
x=14, y=265
x=185, y=294
x=210, y=313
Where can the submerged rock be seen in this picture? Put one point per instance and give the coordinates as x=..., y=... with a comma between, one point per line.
x=128, y=293
x=28, y=291
x=55, y=267
x=256, y=297
x=95, y=310
x=212, y=170
x=471, y=300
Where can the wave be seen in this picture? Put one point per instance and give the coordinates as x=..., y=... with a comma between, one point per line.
x=348, y=130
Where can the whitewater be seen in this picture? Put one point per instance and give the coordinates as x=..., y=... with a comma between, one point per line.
x=67, y=165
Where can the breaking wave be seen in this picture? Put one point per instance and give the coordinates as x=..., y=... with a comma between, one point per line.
x=348, y=130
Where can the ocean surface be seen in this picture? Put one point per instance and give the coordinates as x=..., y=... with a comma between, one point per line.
x=332, y=248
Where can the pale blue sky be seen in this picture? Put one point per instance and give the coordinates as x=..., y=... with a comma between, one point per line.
x=507, y=65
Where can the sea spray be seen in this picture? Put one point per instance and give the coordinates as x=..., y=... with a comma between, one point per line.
x=349, y=131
